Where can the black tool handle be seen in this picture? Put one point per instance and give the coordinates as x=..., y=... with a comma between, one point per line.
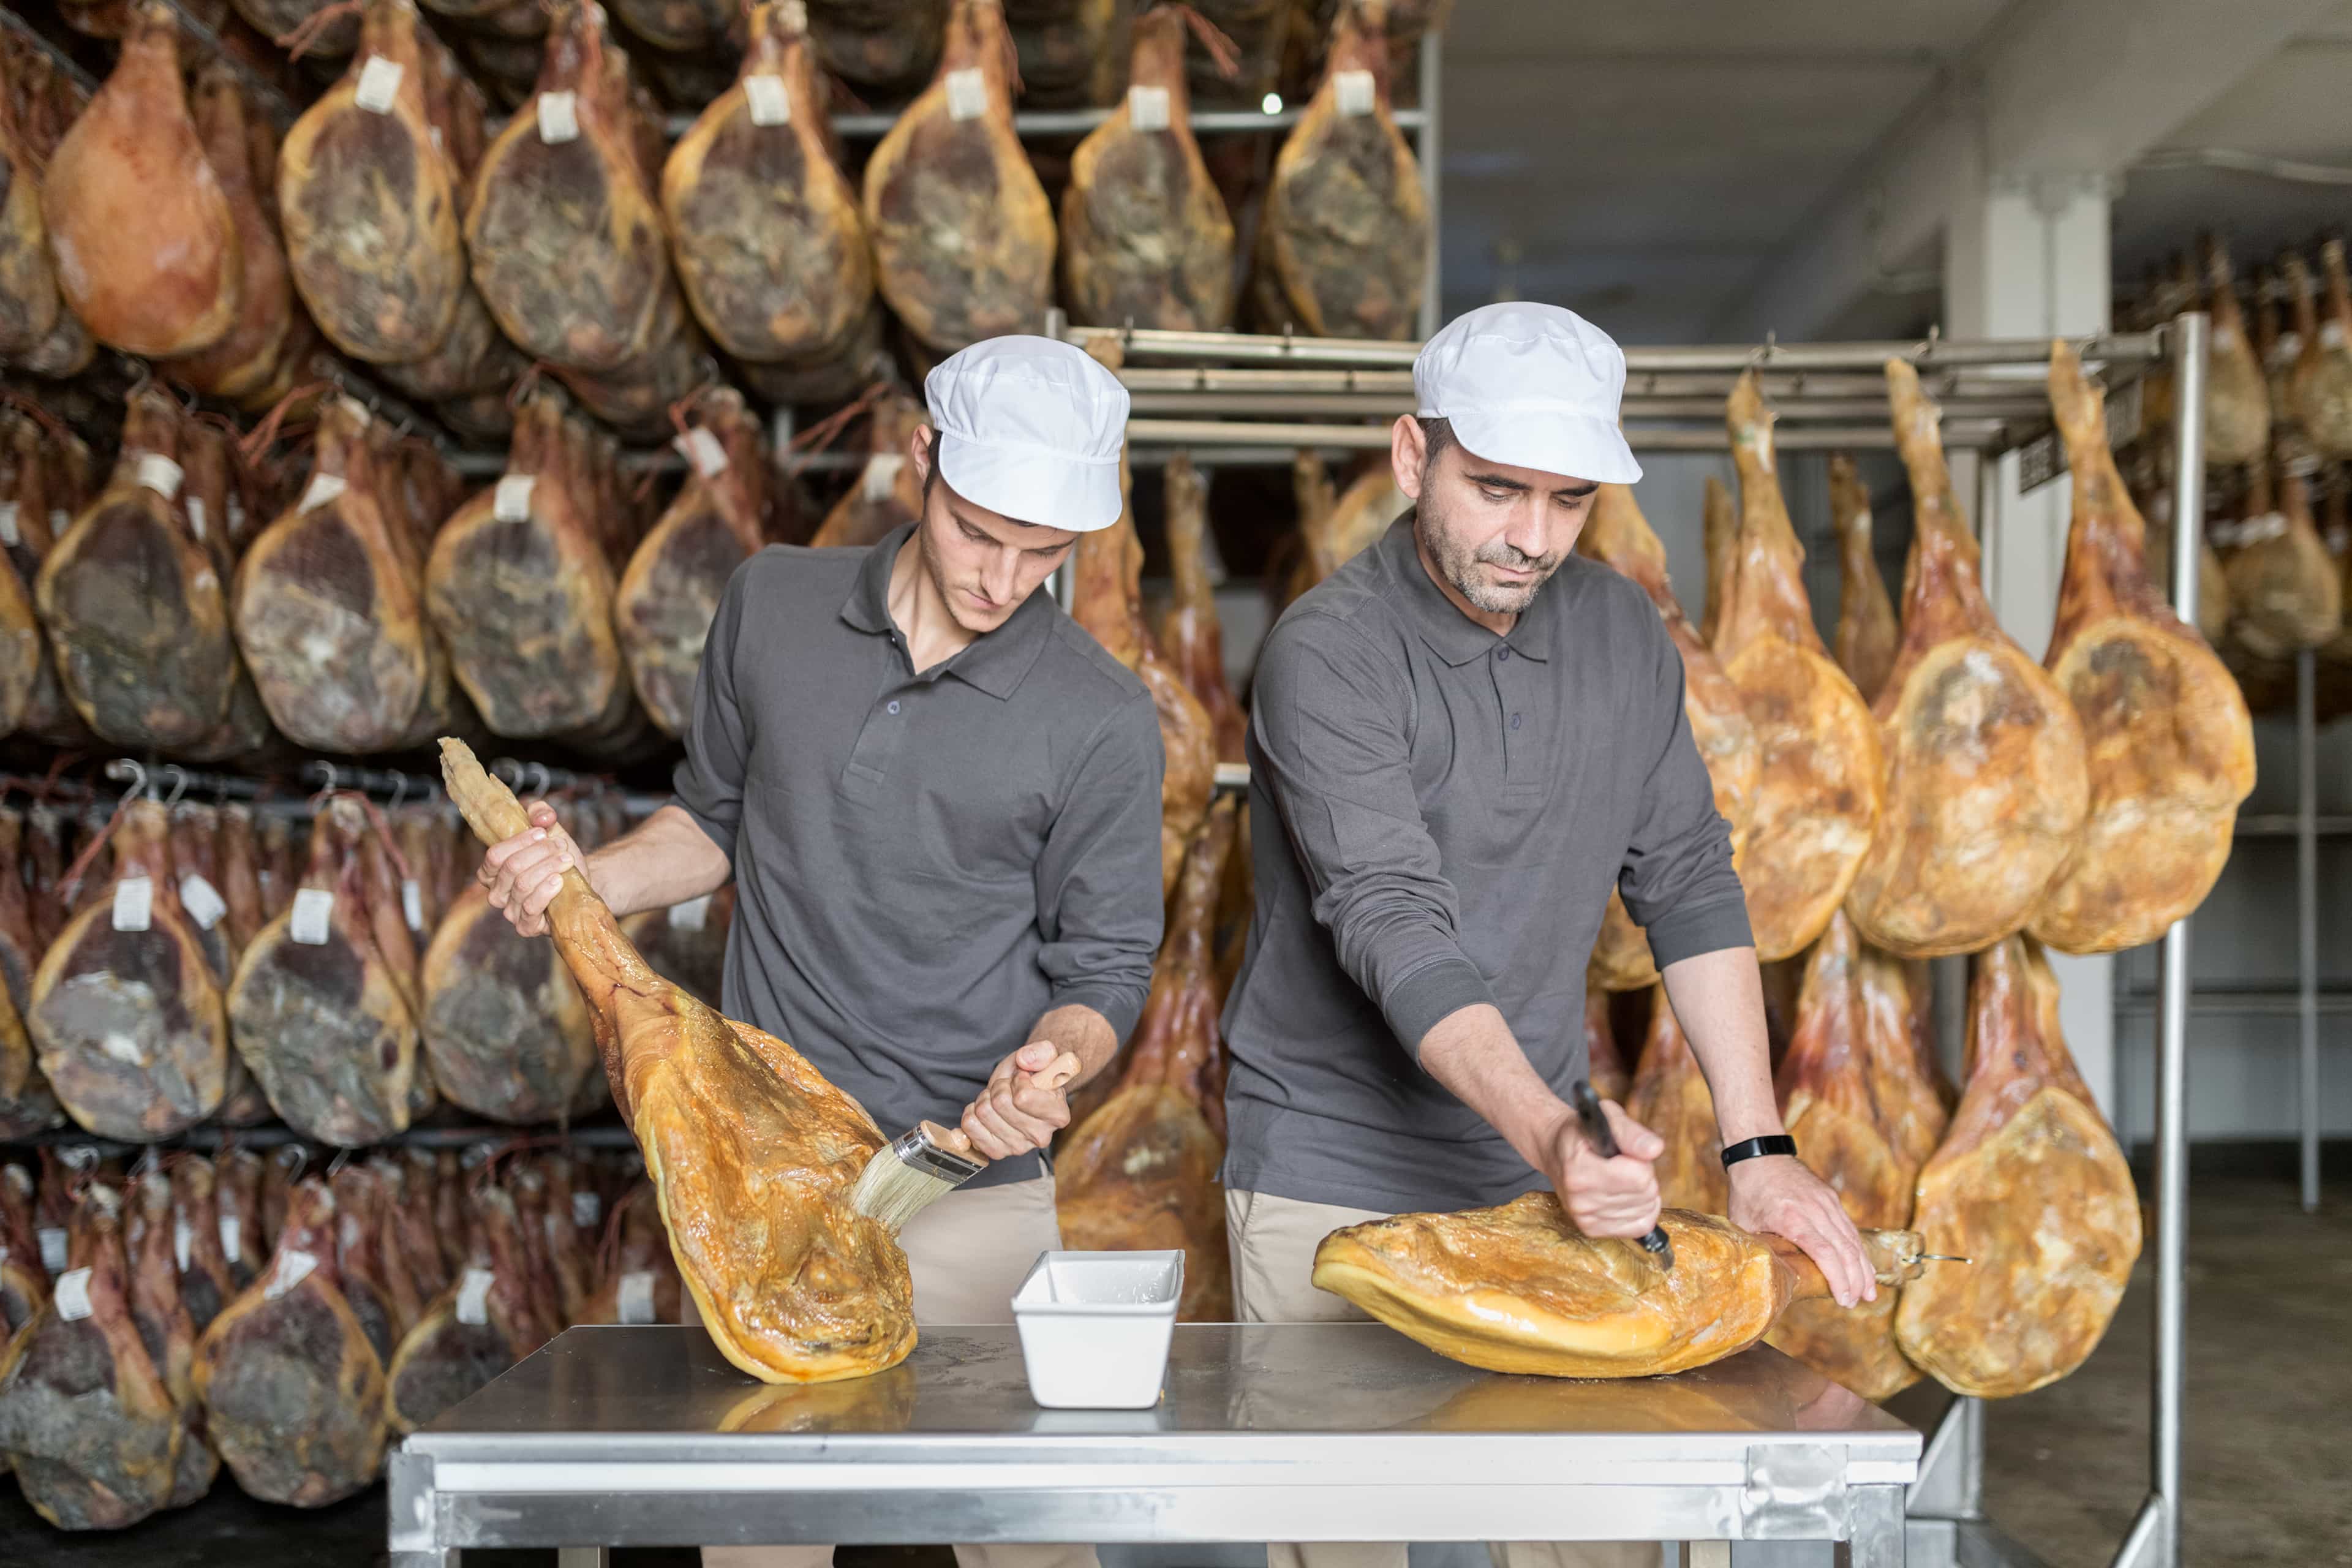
x=1596, y=1127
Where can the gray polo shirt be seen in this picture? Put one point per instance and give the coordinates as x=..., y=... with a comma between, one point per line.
x=924, y=864
x=1439, y=816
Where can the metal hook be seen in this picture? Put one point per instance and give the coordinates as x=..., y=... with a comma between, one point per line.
x=546, y=779
x=131, y=769
x=508, y=772
x=179, y=777
x=399, y=790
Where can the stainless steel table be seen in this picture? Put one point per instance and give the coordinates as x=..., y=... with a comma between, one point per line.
x=615, y=1436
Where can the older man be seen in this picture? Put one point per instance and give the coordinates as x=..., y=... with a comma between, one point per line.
x=1461, y=742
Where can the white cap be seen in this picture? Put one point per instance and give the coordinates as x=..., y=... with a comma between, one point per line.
x=1031, y=428
x=1532, y=385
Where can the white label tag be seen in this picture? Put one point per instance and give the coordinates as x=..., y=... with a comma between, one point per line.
x=882, y=474
x=636, y=1297
x=967, y=93
x=58, y=519
x=294, y=1266
x=1353, y=93
x=379, y=81
x=134, y=903
x=2256, y=530
x=794, y=15
x=313, y=913
x=771, y=102
x=691, y=915
x=9, y=534
x=2331, y=334
x=559, y=118
x=232, y=1238
x=701, y=448
x=72, y=1296
x=202, y=900
x=184, y=1242
x=412, y=903
x=196, y=516
x=587, y=1208
x=347, y=1235
x=53, y=1248
x=159, y=474
x=473, y=1296
x=1147, y=108
x=236, y=511
x=511, y=502
x=324, y=488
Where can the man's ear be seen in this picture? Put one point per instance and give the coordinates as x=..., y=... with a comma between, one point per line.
x=1407, y=451
x=918, y=448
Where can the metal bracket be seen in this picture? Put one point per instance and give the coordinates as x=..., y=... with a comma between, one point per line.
x=1795, y=1491
x=1950, y=1483
x=409, y=1501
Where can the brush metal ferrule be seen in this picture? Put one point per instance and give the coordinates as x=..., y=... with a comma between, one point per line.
x=916, y=1148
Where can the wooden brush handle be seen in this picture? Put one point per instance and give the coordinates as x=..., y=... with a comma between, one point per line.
x=1055, y=1074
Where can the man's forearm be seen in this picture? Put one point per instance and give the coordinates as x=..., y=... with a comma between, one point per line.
x=664, y=860
x=1719, y=1000
x=1079, y=1030
x=1472, y=1052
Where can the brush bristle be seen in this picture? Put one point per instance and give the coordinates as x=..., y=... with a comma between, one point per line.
x=890, y=1192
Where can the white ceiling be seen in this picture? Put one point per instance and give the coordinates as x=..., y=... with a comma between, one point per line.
x=1646, y=161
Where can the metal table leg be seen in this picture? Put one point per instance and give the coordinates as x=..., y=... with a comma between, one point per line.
x=1707, y=1554
x=1875, y=1519
x=583, y=1557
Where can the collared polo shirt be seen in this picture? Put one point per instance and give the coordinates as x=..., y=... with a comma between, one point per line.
x=1439, y=815
x=924, y=864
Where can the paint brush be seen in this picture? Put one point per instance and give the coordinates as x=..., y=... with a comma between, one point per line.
x=927, y=1161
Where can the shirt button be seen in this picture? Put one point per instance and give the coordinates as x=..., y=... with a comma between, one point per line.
x=894, y=705
x=1503, y=654
x=1515, y=720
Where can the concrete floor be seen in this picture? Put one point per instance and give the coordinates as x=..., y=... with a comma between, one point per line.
x=2268, y=1463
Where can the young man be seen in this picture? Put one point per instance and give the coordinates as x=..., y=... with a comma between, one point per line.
x=939, y=799
x=1460, y=743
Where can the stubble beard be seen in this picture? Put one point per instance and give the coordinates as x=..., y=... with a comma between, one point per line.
x=1459, y=563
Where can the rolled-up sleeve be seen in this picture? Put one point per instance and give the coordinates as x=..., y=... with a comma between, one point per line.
x=1099, y=877
x=1330, y=724
x=1677, y=879
x=710, y=780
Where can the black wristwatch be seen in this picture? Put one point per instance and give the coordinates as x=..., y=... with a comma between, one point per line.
x=1752, y=1148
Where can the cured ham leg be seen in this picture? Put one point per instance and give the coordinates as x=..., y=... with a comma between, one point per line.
x=887, y=493
x=1720, y=523
x=1985, y=786
x=1516, y=1289
x=2285, y=591
x=752, y=1154
x=1141, y=1172
x=1865, y=628
x=2030, y=1184
x=2236, y=392
x=1865, y=1119
x=1819, y=797
x=1618, y=535
x=1671, y=1098
x=1189, y=632
x=2319, y=388
x=2170, y=745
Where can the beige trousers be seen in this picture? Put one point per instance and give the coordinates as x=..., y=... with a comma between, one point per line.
x=968, y=1253
x=1272, y=1242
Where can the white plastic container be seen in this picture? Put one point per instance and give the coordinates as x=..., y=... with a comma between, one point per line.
x=1094, y=1327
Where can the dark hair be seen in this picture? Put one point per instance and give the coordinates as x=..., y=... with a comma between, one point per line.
x=1437, y=434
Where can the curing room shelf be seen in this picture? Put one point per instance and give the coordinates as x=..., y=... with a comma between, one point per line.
x=2281, y=825
x=2282, y=1000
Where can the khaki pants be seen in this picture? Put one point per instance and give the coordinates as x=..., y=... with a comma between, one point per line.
x=1272, y=1242
x=968, y=1253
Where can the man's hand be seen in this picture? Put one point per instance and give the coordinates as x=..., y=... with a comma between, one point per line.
x=1607, y=1198
x=523, y=873
x=1024, y=1103
x=1774, y=1193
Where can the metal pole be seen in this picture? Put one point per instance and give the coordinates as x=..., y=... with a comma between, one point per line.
x=2307, y=912
x=1430, y=149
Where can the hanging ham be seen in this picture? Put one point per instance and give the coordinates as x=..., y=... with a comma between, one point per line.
x=475, y=1329
x=325, y=609
x=125, y=1011
x=2237, y=391
x=1362, y=512
x=1145, y=238
x=1719, y=528
x=248, y=356
x=686, y=944
x=40, y=489
x=1190, y=633
x=732, y=1122
x=27, y=1105
x=1617, y=534
x=85, y=1421
x=31, y=305
x=145, y=242
x=293, y=1391
x=1141, y=1172
x=662, y=607
x=2170, y=745
x=1985, y=784
x=963, y=235
x=1343, y=243
x=883, y=50
x=566, y=239
x=1604, y=1064
x=1865, y=627
x=1670, y=1098
x=2285, y=592
x=2028, y=1184
x=207, y=1283
x=1068, y=50
x=1819, y=795
x=1517, y=1290
x=520, y=590
x=770, y=244
x=888, y=494
x=24, y=1283
x=136, y=611
x=331, y=37
x=643, y=1286
x=1865, y=1119
x=167, y=1331
x=2320, y=387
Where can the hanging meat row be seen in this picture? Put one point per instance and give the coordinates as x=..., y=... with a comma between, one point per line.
x=239, y=1311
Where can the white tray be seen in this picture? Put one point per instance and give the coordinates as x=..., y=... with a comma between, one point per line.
x=1094, y=1327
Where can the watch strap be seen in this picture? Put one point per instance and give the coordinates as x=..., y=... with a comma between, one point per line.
x=1753, y=1148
